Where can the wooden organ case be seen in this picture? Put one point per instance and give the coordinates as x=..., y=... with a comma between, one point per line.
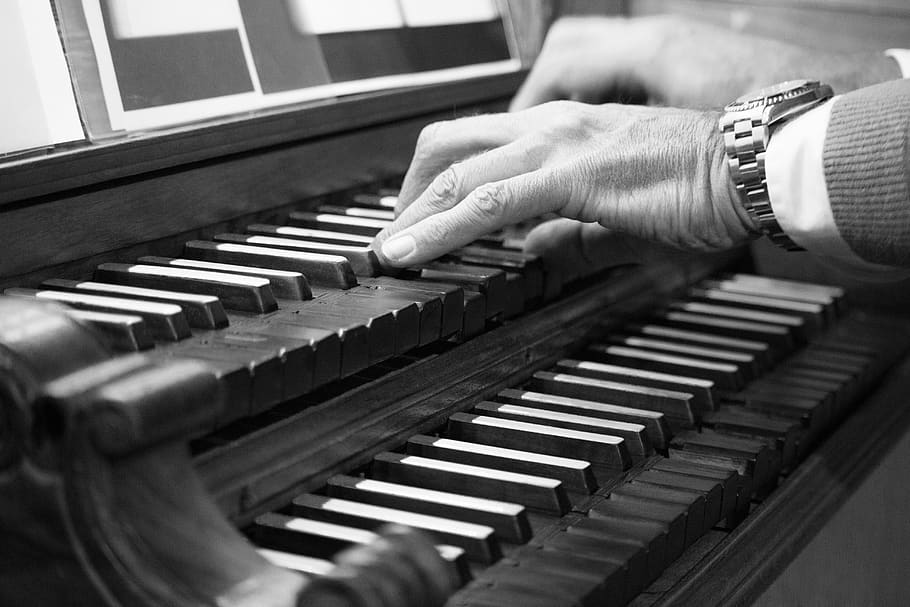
x=151, y=462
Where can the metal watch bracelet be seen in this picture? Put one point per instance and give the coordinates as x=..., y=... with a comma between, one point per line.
x=745, y=142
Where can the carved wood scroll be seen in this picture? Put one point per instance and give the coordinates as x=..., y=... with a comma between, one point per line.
x=100, y=505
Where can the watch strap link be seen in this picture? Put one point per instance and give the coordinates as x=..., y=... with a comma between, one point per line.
x=745, y=141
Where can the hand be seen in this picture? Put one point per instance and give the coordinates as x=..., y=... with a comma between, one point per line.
x=679, y=62
x=653, y=173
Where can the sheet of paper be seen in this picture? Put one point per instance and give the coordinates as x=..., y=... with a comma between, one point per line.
x=38, y=106
x=423, y=13
x=329, y=16
x=144, y=18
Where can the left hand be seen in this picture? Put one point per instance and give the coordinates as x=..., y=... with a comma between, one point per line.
x=654, y=173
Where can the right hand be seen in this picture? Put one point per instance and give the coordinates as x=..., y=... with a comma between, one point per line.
x=669, y=60
x=658, y=174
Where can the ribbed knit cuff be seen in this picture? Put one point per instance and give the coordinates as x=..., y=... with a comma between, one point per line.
x=867, y=170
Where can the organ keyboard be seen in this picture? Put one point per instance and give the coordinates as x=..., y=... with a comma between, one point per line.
x=582, y=444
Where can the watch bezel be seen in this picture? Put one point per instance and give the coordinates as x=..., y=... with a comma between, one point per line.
x=779, y=93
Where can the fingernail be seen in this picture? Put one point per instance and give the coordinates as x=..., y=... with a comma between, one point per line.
x=398, y=248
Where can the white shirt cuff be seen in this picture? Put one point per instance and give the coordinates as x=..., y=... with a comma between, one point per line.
x=902, y=56
x=795, y=173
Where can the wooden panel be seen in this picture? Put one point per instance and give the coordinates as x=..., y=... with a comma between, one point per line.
x=835, y=28
x=862, y=555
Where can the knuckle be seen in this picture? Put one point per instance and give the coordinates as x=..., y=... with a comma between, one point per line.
x=491, y=200
x=445, y=187
x=569, y=119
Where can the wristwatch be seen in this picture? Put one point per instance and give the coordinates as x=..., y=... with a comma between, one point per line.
x=747, y=125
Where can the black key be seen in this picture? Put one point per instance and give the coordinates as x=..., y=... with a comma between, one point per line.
x=235, y=292
x=727, y=376
x=382, y=200
x=165, y=321
x=760, y=350
x=510, y=520
x=367, y=212
x=540, y=582
x=309, y=234
x=798, y=289
x=701, y=389
x=824, y=301
x=490, y=282
x=776, y=336
x=372, y=306
x=536, y=492
x=677, y=406
x=747, y=363
x=318, y=539
x=363, y=259
x=202, y=311
x=324, y=270
x=373, y=331
x=782, y=433
x=474, y=316
x=736, y=490
x=528, y=266
x=298, y=535
x=634, y=434
x=749, y=457
x=711, y=490
x=813, y=314
x=794, y=324
x=294, y=356
x=363, y=226
x=610, y=451
x=694, y=504
x=642, y=535
x=284, y=284
x=477, y=540
x=575, y=475
x=630, y=556
x=429, y=307
x=807, y=412
x=452, y=297
x=610, y=576
x=668, y=518
x=516, y=295
x=819, y=403
x=325, y=344
x=654, y=421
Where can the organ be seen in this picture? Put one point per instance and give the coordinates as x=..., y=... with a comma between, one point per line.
x=200, y=407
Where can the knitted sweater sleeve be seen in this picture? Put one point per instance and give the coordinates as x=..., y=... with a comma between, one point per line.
x=867, y=171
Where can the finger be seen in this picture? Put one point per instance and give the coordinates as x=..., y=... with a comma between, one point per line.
x=460, y=179
x=485, y=209
x=444, y=143
x=573, y=249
